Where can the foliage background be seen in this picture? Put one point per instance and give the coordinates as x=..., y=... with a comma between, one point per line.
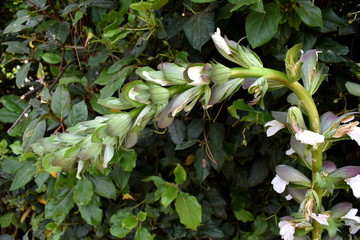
x=86, y=51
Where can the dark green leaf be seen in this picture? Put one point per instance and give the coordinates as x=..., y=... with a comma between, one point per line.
x=67, y=80
x=195, y=128
x=331, y=21
x=104, y=186
x=24, y=175
x=258, y=173
x=7, y=116
x=202, y=167
x=261, y=27
x=78, y=113
x=177, y=131
x=198, y=29
x=331, y=50
x=83, y=191
x=22, y=74
x=114, y=81
x=12, y=103
x=59, y=31
x=189, y=210
x=244, y=215
x=260, y=225
x=120, y=176
x=17, y=47
x=240, y=3
x=310, y=14
x=33, y=133
x=92, y=212
x=40, y=180
x=142, y=234
x=11, y=166
x=61, y=205
x=60, y=103
x=128, y=160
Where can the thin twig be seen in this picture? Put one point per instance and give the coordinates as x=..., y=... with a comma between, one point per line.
x=38, y=87
x=19, y=118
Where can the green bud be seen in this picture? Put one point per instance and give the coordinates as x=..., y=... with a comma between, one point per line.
x=118, y=125
x=295, y=119
x=158, y=94
x=198, y=74
x=293, y=63
x=136, y=93
x=219, y=73
x=173, y=72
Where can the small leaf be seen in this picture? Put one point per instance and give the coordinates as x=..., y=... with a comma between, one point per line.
x=142, y=216
x=261, y=27
x=83, y=191
x=92, y=212
x=310, y=14
x=130, y=222
x=59, y=31
x=22, y=74
x=198, y=28
x=60, y=103
x=353, y=88
x=24, y=175
x=128, y=160
x=143, y=234
x=51, y=58
x=244, y=216
x=189, y=210
x=169, y=194
x=180, y=174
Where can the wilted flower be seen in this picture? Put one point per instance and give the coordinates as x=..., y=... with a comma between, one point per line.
x=287, y=229
x=320, y=218
x=274, y=127
x=279, y=184
x=220, y=42
x=354, y=183
x=352, y=220
x=309, y=137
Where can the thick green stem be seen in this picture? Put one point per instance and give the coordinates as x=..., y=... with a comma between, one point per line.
x=313, y=115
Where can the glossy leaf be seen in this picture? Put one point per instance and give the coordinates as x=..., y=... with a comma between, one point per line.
x=353, y=88
x=169, y=194
x=51, y=58
x=189, y=210
x=143, y=234
x=244, y=215
x=310, y=14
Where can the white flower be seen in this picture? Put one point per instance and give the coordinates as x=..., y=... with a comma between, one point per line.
x=290, y=151
x=31, y=88
x=274, y=127
x=320, y=218
x=220, y=41
x=355, y=134
x=195, y=75
x=352, y=220
x=287, y=229
x=309, y=137
x=354, y=183
x=108, y=154
x=279, y=184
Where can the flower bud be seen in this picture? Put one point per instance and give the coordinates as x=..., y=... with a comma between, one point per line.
x=311, y=75
x=198, y=74
x=220, y=92
x=136, y=92
x=219, y=73
x=153, y=76
x=118, y=125
x=173, y=72
x=158, y=94
x=293, y=63
x=258, y=88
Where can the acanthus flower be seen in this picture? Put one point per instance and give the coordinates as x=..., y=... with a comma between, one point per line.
x=287, y=229
x=354, y=183
x=352, y=221
x=274, y=127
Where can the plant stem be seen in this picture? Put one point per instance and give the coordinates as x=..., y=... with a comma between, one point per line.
x=314, y=121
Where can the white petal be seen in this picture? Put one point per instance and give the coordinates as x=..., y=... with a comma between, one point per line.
x=79, y=168
x=274, y=127
x=321, y=218
x=290, y=152
x=194, y=74
x=108, y=154
x=351, y=215
x=220, y=41
x=279, y=184
x=159, y=81
x=354, y=183
x=354, y=226
x=355, y=134
x=287, y=230
x=288, y=197
x=309, y=137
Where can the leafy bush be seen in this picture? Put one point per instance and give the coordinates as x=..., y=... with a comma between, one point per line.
x=90, y=151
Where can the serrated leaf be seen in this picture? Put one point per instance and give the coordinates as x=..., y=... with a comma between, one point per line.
x=22, y=74
x=103, y=186
x=310, y=14
x=198, y=28
x=61, y=205
x=83, y=191
x=78, y=113
x=261, y=27
x=92, y=212
x=24, y=175
x=189, y=210
x=180, y=174
x=244, y=215
x=60, y=103
x=34, y=131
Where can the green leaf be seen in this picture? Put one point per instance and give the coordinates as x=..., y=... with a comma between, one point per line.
x=128, y=160
x=331, y=21
x=24, y=175
x=129, y=222
x=120, y=176
x=6, y=219
x=12, y=103
x=142, y=216
x=11, y=166
x=51, y=58
x=60, y=103
x=143, y=234
x=310, y=14
x=244, y=216
x=240, y=3
x=40, y=180
x=7, y=116
x=261, y=27
x=169, y=194
x=22, y=74
x=104, y=186
x=353, y=88
x=59, y=31
x=92, y=212
x=202, y=1
x=68, y=80
x=198, y=28
x=78, y=113
x=331, y=50
x=119, y=232
x=177, y=131
x=61, y=205
x=17, y=47
x=33, y=133
x=83, y=191
x=260, y=225
x=189, y=210
x=114, y=81
x=180, y=174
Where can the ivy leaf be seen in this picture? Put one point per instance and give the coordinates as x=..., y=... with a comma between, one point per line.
x=189, y=210
x=61, y=205
x=83, y=191
x=143, y=234
x=104, y=186
x=78, y=113
x=180, y=174
x=261, y=27
x=310, y=14
x=24, y=175
x=22, y=74
x=198, y=28
x=60, y=103
x=92, y=212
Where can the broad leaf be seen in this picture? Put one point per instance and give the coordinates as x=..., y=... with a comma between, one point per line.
x=83, y=191
x=78, y=113
x=33, y=133
x=244, y=215
x=261, y=27
x=143, y=234
x=51, y=58
x=177, y=131
x=198, y=29
x=310, y=14
x=17, y=47
x=22, y=74
x=24, y=175
x=128, y=160
x=189, y=210
x=104, y=186
x=92, y=212
x=353, y=88
x=59, y=31
x=62, y=204
x=60, y=103
x=169, y=194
